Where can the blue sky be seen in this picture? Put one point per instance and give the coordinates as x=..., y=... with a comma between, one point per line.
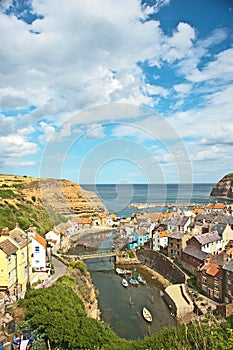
x=106, y=91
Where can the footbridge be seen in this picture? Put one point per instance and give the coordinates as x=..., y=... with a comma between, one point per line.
x=93, y=255
x=97, y=255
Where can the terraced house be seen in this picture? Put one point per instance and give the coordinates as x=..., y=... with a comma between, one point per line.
x=15, y=254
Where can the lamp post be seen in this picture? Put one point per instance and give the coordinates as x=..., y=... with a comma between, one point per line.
x=16, y=276
x=28, y=267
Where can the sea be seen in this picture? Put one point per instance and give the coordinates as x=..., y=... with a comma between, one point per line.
x=118, y=197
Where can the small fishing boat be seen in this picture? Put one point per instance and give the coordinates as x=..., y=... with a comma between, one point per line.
x=141, y=279
x=133, y=281
x=120, y=271
x=146, y=314
x=124, y=282
x=128, y=272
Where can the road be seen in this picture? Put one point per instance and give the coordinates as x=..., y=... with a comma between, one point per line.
x=60, y=270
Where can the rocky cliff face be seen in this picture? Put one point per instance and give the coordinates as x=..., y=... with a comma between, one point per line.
x=43, y=202
x=224, y=188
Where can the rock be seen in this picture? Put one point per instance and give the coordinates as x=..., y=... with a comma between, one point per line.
x=224, y=188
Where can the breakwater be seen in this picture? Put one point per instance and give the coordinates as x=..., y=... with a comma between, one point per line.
x=164, y=205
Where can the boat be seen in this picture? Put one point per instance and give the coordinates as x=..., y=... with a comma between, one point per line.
x=128, y=272
x=146, y=314
x=133, y=281
x=124, y=282
x=141, y=279
x=120, y=271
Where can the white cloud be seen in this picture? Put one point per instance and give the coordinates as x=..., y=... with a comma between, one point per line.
x=213, y=153
x=14, y=147
x=95, y=131
x=48, y=132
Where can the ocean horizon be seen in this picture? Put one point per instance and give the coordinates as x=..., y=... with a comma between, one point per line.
x=118, y=197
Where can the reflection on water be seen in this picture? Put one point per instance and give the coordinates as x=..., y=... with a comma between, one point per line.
x=114, y=301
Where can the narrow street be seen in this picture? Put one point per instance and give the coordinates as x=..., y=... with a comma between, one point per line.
x=60, y=270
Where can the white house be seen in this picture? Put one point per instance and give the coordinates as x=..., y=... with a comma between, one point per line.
x=38, y=252
x=160, y=239
x=53, y=237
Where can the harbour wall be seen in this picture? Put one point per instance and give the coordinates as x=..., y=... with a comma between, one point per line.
x=162, y=265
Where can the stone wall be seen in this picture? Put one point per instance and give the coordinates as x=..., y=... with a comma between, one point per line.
x=162, y=265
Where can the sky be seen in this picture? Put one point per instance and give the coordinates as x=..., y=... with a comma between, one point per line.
x=126, y=91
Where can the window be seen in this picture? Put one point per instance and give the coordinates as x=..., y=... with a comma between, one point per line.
x=22, y=255
x=229, y=282
x=9, y=259
x=9, y=275
x=216, y=294
x=37, y=249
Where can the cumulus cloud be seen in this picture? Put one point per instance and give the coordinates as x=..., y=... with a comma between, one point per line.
x=15, y=146
x=95, y=131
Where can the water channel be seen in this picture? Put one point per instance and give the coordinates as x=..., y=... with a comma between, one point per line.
x=122, y=307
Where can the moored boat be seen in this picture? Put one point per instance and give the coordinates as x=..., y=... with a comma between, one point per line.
x=141, y=279
x=133, y=281
x=120, y=271
x=124, y=282
x=146, y=314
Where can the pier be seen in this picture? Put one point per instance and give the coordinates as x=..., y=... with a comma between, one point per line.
x=164, y=205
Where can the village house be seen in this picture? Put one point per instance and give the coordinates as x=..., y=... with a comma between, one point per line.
x=228, y=282
x=216, y=207
x=202, y=222
x=210, y=280
x=138, y=238
x=210, y=243
x=193, y=258
x=179, y=223
x=176, y=243
x=225, y=231
x=53, y=237
x=160, y=239
x=21, y=257
x=9, y=266
x=39, y=250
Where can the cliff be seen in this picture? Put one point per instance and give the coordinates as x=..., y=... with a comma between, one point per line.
x=43, y=202
x=224, y=188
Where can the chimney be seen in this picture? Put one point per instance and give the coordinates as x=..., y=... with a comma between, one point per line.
x=5, y=231
x=16, y=225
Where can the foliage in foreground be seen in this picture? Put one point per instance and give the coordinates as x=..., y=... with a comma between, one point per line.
x=59, y=314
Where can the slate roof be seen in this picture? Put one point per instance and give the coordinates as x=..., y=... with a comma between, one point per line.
x=219, y=228
x=8, y=247
x=224, y=219
x=208, y=238
x=229, y=266
x=179, y=220
x=19, y=236
x=198, y=254
x=207, y=217
x=177, y=235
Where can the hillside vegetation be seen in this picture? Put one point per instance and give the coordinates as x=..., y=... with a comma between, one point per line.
x=43, y=202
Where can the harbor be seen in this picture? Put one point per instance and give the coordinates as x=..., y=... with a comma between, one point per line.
x=122, y=307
